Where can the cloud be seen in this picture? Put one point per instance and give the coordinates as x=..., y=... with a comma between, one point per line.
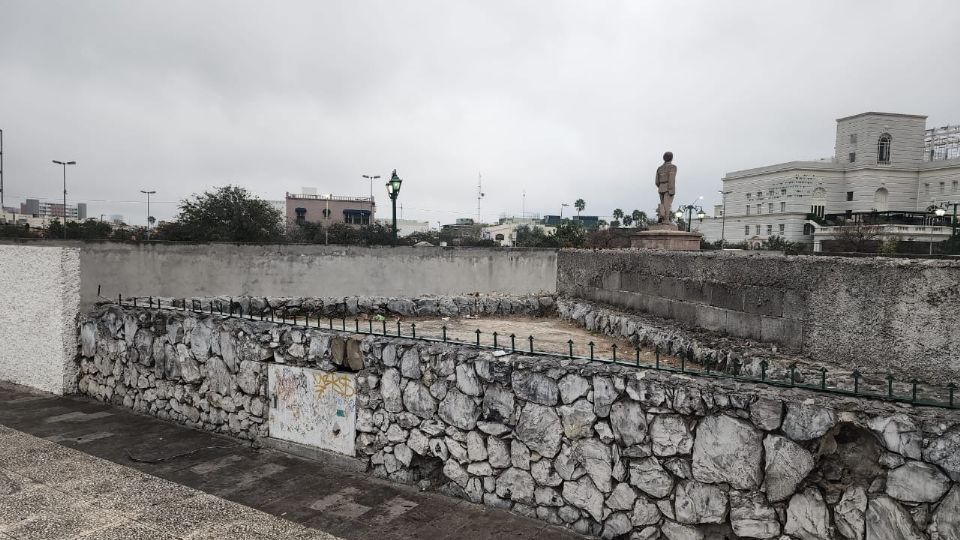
x=560, y=100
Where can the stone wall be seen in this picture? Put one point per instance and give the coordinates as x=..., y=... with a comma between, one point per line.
x=605, y=449
x=884, y=314
x=39, y=305
x=185, y=270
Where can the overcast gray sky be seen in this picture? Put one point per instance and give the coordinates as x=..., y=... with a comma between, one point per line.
x=559, y=99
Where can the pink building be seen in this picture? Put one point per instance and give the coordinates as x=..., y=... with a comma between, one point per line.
x=329, y=209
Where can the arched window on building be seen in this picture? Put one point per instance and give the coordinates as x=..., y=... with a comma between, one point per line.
x=301, y=215
x=818, y=202
x=883, y=149
x=880, y=200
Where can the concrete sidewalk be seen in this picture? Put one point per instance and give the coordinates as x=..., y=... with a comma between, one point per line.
x=207, y=476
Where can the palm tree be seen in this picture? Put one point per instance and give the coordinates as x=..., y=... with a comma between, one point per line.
x=639, y=218
x=618, y=215
x=579, y=204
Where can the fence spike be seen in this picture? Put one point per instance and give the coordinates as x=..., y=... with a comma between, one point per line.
x=591, y=349
x=531, y=344
x=890, y=385
x=823, y=378
x=413, y=329
x=398, y=328
x=384, y=326
x=513, y=343
x=494, y=339
x=763, y=369
x=913, y=397
x=952, y=388
x=570, y=348
x=614, y=349
x=656, y=352
x=444, y=328
x=478, y=338
x=638, y=357
x=793, y=373
x=856, y=381
x=356, y=325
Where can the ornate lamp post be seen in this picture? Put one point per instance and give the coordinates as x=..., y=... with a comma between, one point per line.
x=393, y=190
x=689, y=209
x=941, y=211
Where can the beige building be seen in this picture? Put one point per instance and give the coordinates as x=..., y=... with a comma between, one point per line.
x=326, y=209
x=886, y=165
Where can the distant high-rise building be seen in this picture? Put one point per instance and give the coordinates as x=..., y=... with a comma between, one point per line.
x=43, y=209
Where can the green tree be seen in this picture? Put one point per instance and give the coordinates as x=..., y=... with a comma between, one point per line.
x=627, y=220
x=618, y=216
x=640, y=219
x=229, y=214
x=579, y=204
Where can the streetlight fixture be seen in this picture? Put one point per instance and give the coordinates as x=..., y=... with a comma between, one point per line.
x=690, y=209
x=149, y=217
x=393, y=190
x=64, y=165
x=371, y=178
x=562, y=206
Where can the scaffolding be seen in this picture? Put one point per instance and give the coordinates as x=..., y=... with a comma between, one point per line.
x=942, y=143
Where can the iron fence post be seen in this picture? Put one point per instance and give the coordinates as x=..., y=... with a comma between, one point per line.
x=856, y=381
x=531, y=344
x=513, y=343
x=614, y=349
x=413, y=329
x=913, y=397
x=823, y=378
x=591, y=349
x=890, y=385
x=570, y=348
x=478, y=338
x=494, y=339
x=444, y=328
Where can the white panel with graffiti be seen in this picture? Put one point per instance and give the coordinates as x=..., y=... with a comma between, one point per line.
x=313, y=407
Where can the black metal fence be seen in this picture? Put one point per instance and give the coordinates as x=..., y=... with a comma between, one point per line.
x=854, y=385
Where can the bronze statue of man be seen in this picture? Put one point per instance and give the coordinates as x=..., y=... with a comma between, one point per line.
x=667, y=187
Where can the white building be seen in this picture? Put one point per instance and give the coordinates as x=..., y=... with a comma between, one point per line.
x=505, y=232
x=883, y=162
x=406, y=227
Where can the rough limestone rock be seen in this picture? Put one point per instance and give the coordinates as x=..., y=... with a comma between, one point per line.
x=498, y=453
x=787, y=464
x=616, y=525
x=807, y=421
x=644, y=513
x=459, y=410
x=627, y=421
x=572, y=387
x=622, y=497
x=516, y=485
x=543, y=473
x=675, y=531
x=917, y=482
x=670, y=436
x=604, y=394
x=727, y=450
x=390, y=390
x=476, y=448
x=887, y=520
x=498, y=404
x=453, y=471
x=651, y=478
x=946, y=519
x=410, y=364
x=595, y=458
x=467, y=381
x=219, y=376
x=699, y=503
x=751, y=516
x=535, y=387
x=899, y=434
x=807, y=516
x=577, y=419
x=766, y=413
x=945, y=452
x=540, y=429
x=848, y=514
x=547, y=496
x=585, y=496
x=417, y=399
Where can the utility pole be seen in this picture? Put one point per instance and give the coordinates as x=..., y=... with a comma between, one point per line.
x=479, y=195
x=148, y=194
x=723, y=217
x=1, y=171
x=64, y=164
x=371, y=178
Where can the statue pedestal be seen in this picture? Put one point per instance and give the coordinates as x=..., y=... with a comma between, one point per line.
x=667, y=237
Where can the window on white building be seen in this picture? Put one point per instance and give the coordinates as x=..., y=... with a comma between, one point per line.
x=769, y=230
x=748, y=209
x=954, y=186
x=849, y=195
x=759, y=194
x=783, y=192
x=769, y=208
x=782, y=228
x=883, y=149
x=853, y=138
x=783, y=207
x=942, y=187
x=746, y=230
x=759, y=209
x=853, y=157
x=926, y=189
x=749, y=195
x=758, y=230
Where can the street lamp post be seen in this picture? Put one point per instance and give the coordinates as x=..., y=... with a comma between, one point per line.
x=562, y=206
x=393, y=190
x=148, y=194
x=689, y=209
x=371, y=178
x=941, y=211
x=64, y=164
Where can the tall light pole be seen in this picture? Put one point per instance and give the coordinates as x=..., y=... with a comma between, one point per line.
x=393, y=190
x=1, y=171
x=64, y=164
x=562, y=206
x=148, y=194
x=371, y=178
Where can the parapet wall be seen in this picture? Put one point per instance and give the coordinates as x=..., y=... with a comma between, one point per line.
x=39, y=304
x=280, y=270
x=881, y=314
x=605, y=449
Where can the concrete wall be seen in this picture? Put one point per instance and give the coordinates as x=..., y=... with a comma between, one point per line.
x=39, y=304
x=607, y=450
x=881, y=314
x=186, y=270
